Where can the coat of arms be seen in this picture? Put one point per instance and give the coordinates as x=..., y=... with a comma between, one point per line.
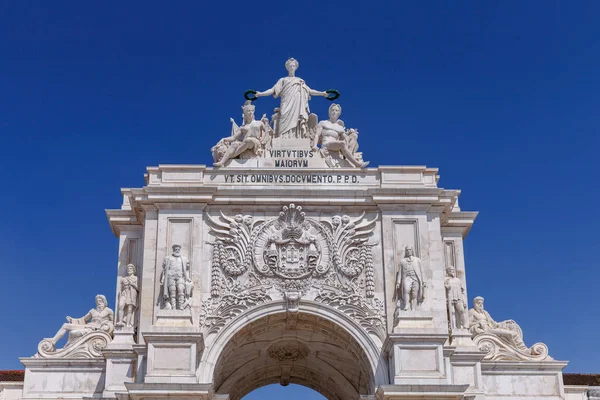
x=290, y=248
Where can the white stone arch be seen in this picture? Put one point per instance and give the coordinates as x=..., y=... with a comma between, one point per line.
x=372, y=358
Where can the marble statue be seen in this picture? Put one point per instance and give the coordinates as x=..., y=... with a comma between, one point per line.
x=501, y=340
x=100, y=318
x=128, y=294
x=176, y=281
x=457, y=305
x=333, y=137
x=246, y=141
x=410, y=287
x=352, y=143
x=294, y=93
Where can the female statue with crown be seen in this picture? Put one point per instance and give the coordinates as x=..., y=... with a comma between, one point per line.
x=252, y=135
x=294, y=94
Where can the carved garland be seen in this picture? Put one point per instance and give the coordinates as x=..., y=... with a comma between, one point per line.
x=215, y=277
x=369, y=273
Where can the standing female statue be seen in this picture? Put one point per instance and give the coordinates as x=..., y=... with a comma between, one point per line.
x=332, y=135
x=294, y=94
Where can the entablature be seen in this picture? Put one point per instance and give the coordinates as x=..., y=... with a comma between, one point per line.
x=411, y=188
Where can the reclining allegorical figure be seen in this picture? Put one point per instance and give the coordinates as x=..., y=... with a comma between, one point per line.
x=501, y=340
x=334, y=139
x=250, y=138
x=100, y=318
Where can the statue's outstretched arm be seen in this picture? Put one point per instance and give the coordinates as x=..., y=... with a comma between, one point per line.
x=265, y=93
x=313, y=92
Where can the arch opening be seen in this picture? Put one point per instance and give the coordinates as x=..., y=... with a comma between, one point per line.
x=291, y=392
x=313, y=352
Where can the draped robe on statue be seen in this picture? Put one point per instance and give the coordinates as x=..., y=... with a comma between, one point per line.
x=294, y=94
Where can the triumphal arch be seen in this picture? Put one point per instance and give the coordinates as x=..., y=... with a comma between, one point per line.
x=291, y=260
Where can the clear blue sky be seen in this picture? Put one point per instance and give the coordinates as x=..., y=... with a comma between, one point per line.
x=503, y=97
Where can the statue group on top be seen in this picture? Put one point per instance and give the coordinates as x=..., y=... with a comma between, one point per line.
x=291, y=120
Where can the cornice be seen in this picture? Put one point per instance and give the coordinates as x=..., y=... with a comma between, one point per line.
x=386, y=187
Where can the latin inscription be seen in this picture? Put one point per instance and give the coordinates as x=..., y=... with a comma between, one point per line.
x=291, y=160
x=291, y=153
x=292, y=178
x=282, y=158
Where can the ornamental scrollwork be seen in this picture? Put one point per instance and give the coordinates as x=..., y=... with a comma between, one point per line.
x=327, y=261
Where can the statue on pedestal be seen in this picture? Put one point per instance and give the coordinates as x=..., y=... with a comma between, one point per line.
x=176, y=281
x=457, y=304
x=295, y=94
x=128, y=293
x=334, y=138
x=501, y=340
x=100, y=318
x=246, y=141
x=410, y=287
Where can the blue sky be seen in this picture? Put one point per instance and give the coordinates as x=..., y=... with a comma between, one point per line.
x=502, y=97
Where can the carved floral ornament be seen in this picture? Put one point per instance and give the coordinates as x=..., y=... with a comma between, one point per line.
x=328, y=261
x=288, y=352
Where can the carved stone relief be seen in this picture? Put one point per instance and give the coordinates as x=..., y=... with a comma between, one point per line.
x=288, y=352
x=292, y=257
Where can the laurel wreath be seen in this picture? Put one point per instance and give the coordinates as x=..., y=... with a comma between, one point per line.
x=250, y=91
x=335, y=93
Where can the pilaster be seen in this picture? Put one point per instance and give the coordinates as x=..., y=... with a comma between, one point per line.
x=120, y=362
x=148, y=272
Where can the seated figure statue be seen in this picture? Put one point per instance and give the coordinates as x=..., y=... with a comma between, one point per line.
x=252, y=135
x=100, y=318
x=501, y=340
x=333, y=137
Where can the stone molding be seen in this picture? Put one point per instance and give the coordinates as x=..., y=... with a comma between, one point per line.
x=90, y=345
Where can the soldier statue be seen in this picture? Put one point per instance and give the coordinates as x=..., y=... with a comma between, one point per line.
x=176, y=281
